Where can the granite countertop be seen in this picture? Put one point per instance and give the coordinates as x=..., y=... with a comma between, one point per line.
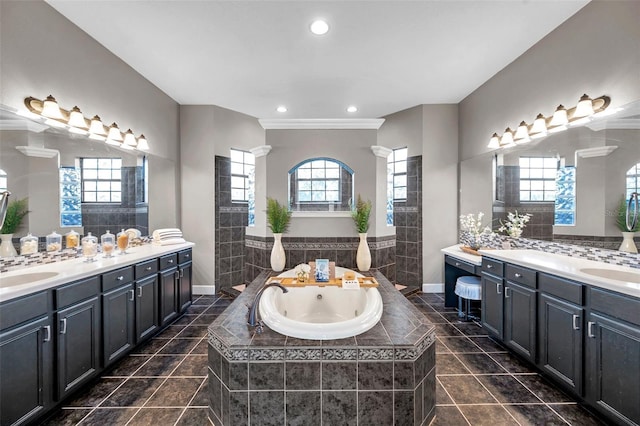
x=76, y=269
x=456, y=251
x=401, y=325
x=570, y=267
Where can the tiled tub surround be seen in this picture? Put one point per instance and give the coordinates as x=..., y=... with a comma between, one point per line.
x=341, y=250
x=384, y=376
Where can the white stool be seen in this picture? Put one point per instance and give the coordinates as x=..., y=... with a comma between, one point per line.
x=467, y=288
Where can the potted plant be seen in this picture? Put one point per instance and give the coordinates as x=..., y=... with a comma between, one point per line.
x=628, y=245
x=278, y=218
x=16, y=211
x=360, y=214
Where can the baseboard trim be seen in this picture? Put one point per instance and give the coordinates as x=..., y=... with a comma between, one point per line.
x=203, y=289
x=433, y=288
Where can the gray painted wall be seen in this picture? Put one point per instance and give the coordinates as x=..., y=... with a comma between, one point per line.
x=77, y=70
x=594, y=52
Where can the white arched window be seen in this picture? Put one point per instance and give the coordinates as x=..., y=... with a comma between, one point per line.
x=320, y=184
x=633, y=180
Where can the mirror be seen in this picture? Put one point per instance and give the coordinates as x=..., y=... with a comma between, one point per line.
x=114, y=180
x=571, y=182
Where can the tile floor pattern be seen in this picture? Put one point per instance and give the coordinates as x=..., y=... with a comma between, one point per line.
x=478, y=382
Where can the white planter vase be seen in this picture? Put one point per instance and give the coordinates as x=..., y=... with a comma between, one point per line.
x=278, y=257
x=6, y=247
x=628, y=245
x=363, y=256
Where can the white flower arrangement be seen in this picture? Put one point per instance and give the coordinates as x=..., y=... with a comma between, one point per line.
x=472, y=224
x=302, y=272
x=515, y=224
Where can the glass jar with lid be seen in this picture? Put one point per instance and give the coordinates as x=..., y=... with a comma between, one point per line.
x=108, y=241
x=72, y=239
x=28, y=244
x=54, y=241
x=123, y=242
x=89, y=247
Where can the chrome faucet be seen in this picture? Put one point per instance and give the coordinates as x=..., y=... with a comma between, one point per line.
x=632, y=221
x=4, y=204
x=254, y=320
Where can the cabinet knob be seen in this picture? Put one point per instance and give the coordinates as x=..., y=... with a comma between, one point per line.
x=148, y=268
x=457, y=263
x=517, y=275
x=489, y=266
x=170, y=260
x=120, y=278
x=187, y=256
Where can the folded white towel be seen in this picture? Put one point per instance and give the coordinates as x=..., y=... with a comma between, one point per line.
x=160, y=234
x=169, y=241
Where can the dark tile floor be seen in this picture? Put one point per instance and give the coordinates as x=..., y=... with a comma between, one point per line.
x=478, y=382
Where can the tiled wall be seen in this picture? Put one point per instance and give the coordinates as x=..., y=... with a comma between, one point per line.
x=231, y=220
x=408, y=222
x=341, y=250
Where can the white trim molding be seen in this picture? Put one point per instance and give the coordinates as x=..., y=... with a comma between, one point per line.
x=34, y=151
x=321, y=123
x=432, y=288
x=381, y=151
x=599, y=151
x=260, y=151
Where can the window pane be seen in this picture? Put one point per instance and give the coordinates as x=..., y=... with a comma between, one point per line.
x=333, y=185
x=237, y=194
x=116, y=174
x=304, y=173
x=304, y=195
x=535, y=173
x=249, y=158
x=249, y=169
x=537, y=185
x=525, y=184
x=317, y=164
x=115, y=197
x=318, y=185
x=333, y=196
x=90, y=185
x=116, y=186
x=536, y=162
x=104, y=174
x=549, y=196
x=304, y=185
x=116, y=163
x=317, y=196
x=549, y=173
x=237, y=169
x=104, y=186
x=400, y=167
x=104, y=163
x=400, y=154
x=400, y=193
x=104, y=197
x=333, y=173
x=537, y=196
x=89, y=174
x=90, y=196
x=237, y=182
x=550, y=185
x=551, y=163
x=524, y=196
x=317, y=173
x=90, y=163
x=524, y=173
x=237, y=156
x=400, y=180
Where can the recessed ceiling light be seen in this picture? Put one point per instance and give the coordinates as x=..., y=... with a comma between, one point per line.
x=281, y=108
x=319, y=27
x=352, y=108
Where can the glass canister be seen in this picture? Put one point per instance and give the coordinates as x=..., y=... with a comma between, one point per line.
x=28, y=244
x=108, y=241
x=54, y=241
x=89, y=247
x=72, y=239
x=123, y=242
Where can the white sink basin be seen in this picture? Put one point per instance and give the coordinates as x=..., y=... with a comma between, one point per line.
x=612, y=274
x=25, y=278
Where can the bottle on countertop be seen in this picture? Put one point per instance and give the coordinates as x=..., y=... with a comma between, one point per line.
x=28, y=244
x=89, y=247
x=108, y=241
x=72, y=239
x=123, y=242
x=54, y=241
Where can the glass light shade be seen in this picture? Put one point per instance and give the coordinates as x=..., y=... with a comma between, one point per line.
x=51, y=109
x=129, y=139
x=584, y=107
x=539, y=126
x=114, y=133
x=522, y=133
x=96, y=127
x=494, y=142
x=507, y=138
x=559, y=117
x=142, y=143
x=76, y=119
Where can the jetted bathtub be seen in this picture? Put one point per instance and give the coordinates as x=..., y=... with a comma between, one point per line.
x=320, y=313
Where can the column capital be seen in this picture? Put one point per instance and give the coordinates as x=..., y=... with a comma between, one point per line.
x=260, y=151
x=381, y=151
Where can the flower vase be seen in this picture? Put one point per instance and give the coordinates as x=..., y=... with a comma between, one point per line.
x=6, y=247
x=278, y=257
x=628, y=245
x=363, y=256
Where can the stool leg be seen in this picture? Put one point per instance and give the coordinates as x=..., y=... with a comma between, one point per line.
x=460, y=311
x=466, y=316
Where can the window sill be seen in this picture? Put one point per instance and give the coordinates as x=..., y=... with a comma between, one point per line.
x=321, y=214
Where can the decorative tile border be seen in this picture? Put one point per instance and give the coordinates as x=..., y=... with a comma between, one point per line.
x=406, y=209
x=233, y=209
x=375, y=354
x=374, y=244
x=303, y=354
x=266, y=354
x=339, y=354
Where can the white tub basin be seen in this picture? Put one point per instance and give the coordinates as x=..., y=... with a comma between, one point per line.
x=321, y=313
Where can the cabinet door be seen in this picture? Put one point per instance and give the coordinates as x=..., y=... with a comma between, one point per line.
x=520, y=319
x=492, y=308
x=185, y=271
x=147, y=318
x=613, y=368
x=119, y=332
x=168, y=295
x=26, y=364
x=560, y=341
x=78, y=332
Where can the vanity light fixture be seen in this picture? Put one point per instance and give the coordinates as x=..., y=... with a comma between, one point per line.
x=586, y=110
x=75, y=122
x=319, y=27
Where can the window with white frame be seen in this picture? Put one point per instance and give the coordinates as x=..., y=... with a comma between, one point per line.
x=320, y=184
x=242, y=170
x=633, y=180
x=3, y=180
x=397, y=174
x=538, y=178
x=101, y=180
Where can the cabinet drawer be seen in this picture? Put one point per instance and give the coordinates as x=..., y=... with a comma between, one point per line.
x=114, y=279
x=562, y=288
x=461, y=264
x=492, y=266
x=185, y=256
x=168, y=261
x=615, y=305
x=24, y=309
x=77, y=291
x=147, y=268
x=520, y=275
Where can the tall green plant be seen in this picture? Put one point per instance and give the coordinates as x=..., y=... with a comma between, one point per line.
x=360, y=215
x=621, y=217
x=16, y=211
x=278, y=216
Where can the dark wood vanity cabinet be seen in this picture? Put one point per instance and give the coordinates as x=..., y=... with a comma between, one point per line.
x=175, y=285
x=492, y=305
x=185, y=273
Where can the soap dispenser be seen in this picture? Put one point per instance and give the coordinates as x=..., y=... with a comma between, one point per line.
x=108, y=241
x=54, y=241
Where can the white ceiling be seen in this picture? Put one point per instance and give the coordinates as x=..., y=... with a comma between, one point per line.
x=382, y=56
